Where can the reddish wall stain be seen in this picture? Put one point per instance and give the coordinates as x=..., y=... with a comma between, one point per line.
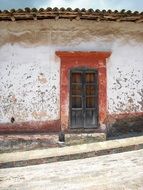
x=70, y=60
x=111, y=118
x=25, y=127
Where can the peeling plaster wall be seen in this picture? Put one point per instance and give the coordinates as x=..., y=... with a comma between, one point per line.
x=29, y=84
x=30, y=71
x=125, y=78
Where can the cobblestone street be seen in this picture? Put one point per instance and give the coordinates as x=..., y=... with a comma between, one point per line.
x=116, y=171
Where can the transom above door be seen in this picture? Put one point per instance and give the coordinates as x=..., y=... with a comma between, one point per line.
x=83, y=98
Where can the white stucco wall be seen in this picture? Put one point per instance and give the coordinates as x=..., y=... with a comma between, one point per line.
x=29, y=84
x=30, y=70
x=125, y=78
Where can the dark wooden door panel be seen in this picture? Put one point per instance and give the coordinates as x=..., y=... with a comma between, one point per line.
x=91, y=119
x=77, y=118
x=84, y=98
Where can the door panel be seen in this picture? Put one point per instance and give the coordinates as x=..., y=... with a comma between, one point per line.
x=90, y=119
x=90, y=102
x=84, y=98
x=76, y=102
x=89, y=77
x=76, y=77
x=76, y=89
x=76, y=118
x=90, y=90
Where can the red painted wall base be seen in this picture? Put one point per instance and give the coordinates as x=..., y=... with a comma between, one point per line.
x=27, y=127
x=115, y=123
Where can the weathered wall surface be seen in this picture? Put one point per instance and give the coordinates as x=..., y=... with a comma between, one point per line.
x=125, y=78
x=30, y=71
x=29, y=87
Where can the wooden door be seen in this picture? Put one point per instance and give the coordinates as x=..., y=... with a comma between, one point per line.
x=83, y=98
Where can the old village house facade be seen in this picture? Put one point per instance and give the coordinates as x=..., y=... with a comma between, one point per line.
x=70, y=70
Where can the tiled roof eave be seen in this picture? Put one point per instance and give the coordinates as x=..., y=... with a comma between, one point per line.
x=55, y=13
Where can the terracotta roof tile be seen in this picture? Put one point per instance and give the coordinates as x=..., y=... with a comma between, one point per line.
x=62, y=13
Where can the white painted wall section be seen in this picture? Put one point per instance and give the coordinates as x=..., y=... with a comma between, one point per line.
x=29, y=84
x=125, y=78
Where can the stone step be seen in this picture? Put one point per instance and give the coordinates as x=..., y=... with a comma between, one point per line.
x=82, y=138
x=33, y=157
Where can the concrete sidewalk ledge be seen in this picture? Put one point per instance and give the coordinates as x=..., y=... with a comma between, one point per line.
x=69, y=153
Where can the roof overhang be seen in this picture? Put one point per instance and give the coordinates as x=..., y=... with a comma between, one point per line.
x=62, y=13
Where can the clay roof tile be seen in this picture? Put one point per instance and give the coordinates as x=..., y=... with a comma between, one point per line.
x=52, y=13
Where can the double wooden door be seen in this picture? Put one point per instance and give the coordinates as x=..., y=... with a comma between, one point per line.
x=83, y=98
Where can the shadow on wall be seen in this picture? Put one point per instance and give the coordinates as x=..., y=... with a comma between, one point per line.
x=125, y=126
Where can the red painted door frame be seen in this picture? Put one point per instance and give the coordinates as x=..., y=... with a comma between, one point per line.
x=91, y=60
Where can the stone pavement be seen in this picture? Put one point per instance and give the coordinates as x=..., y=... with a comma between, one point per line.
x=122, y=171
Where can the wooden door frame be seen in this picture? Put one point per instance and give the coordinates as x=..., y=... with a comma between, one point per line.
x=92, y=60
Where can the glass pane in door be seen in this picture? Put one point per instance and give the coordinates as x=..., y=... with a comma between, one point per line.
x=90, y=90
x=76, y=78
x=90, y=77
x=76, y=89
x=76, y=102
